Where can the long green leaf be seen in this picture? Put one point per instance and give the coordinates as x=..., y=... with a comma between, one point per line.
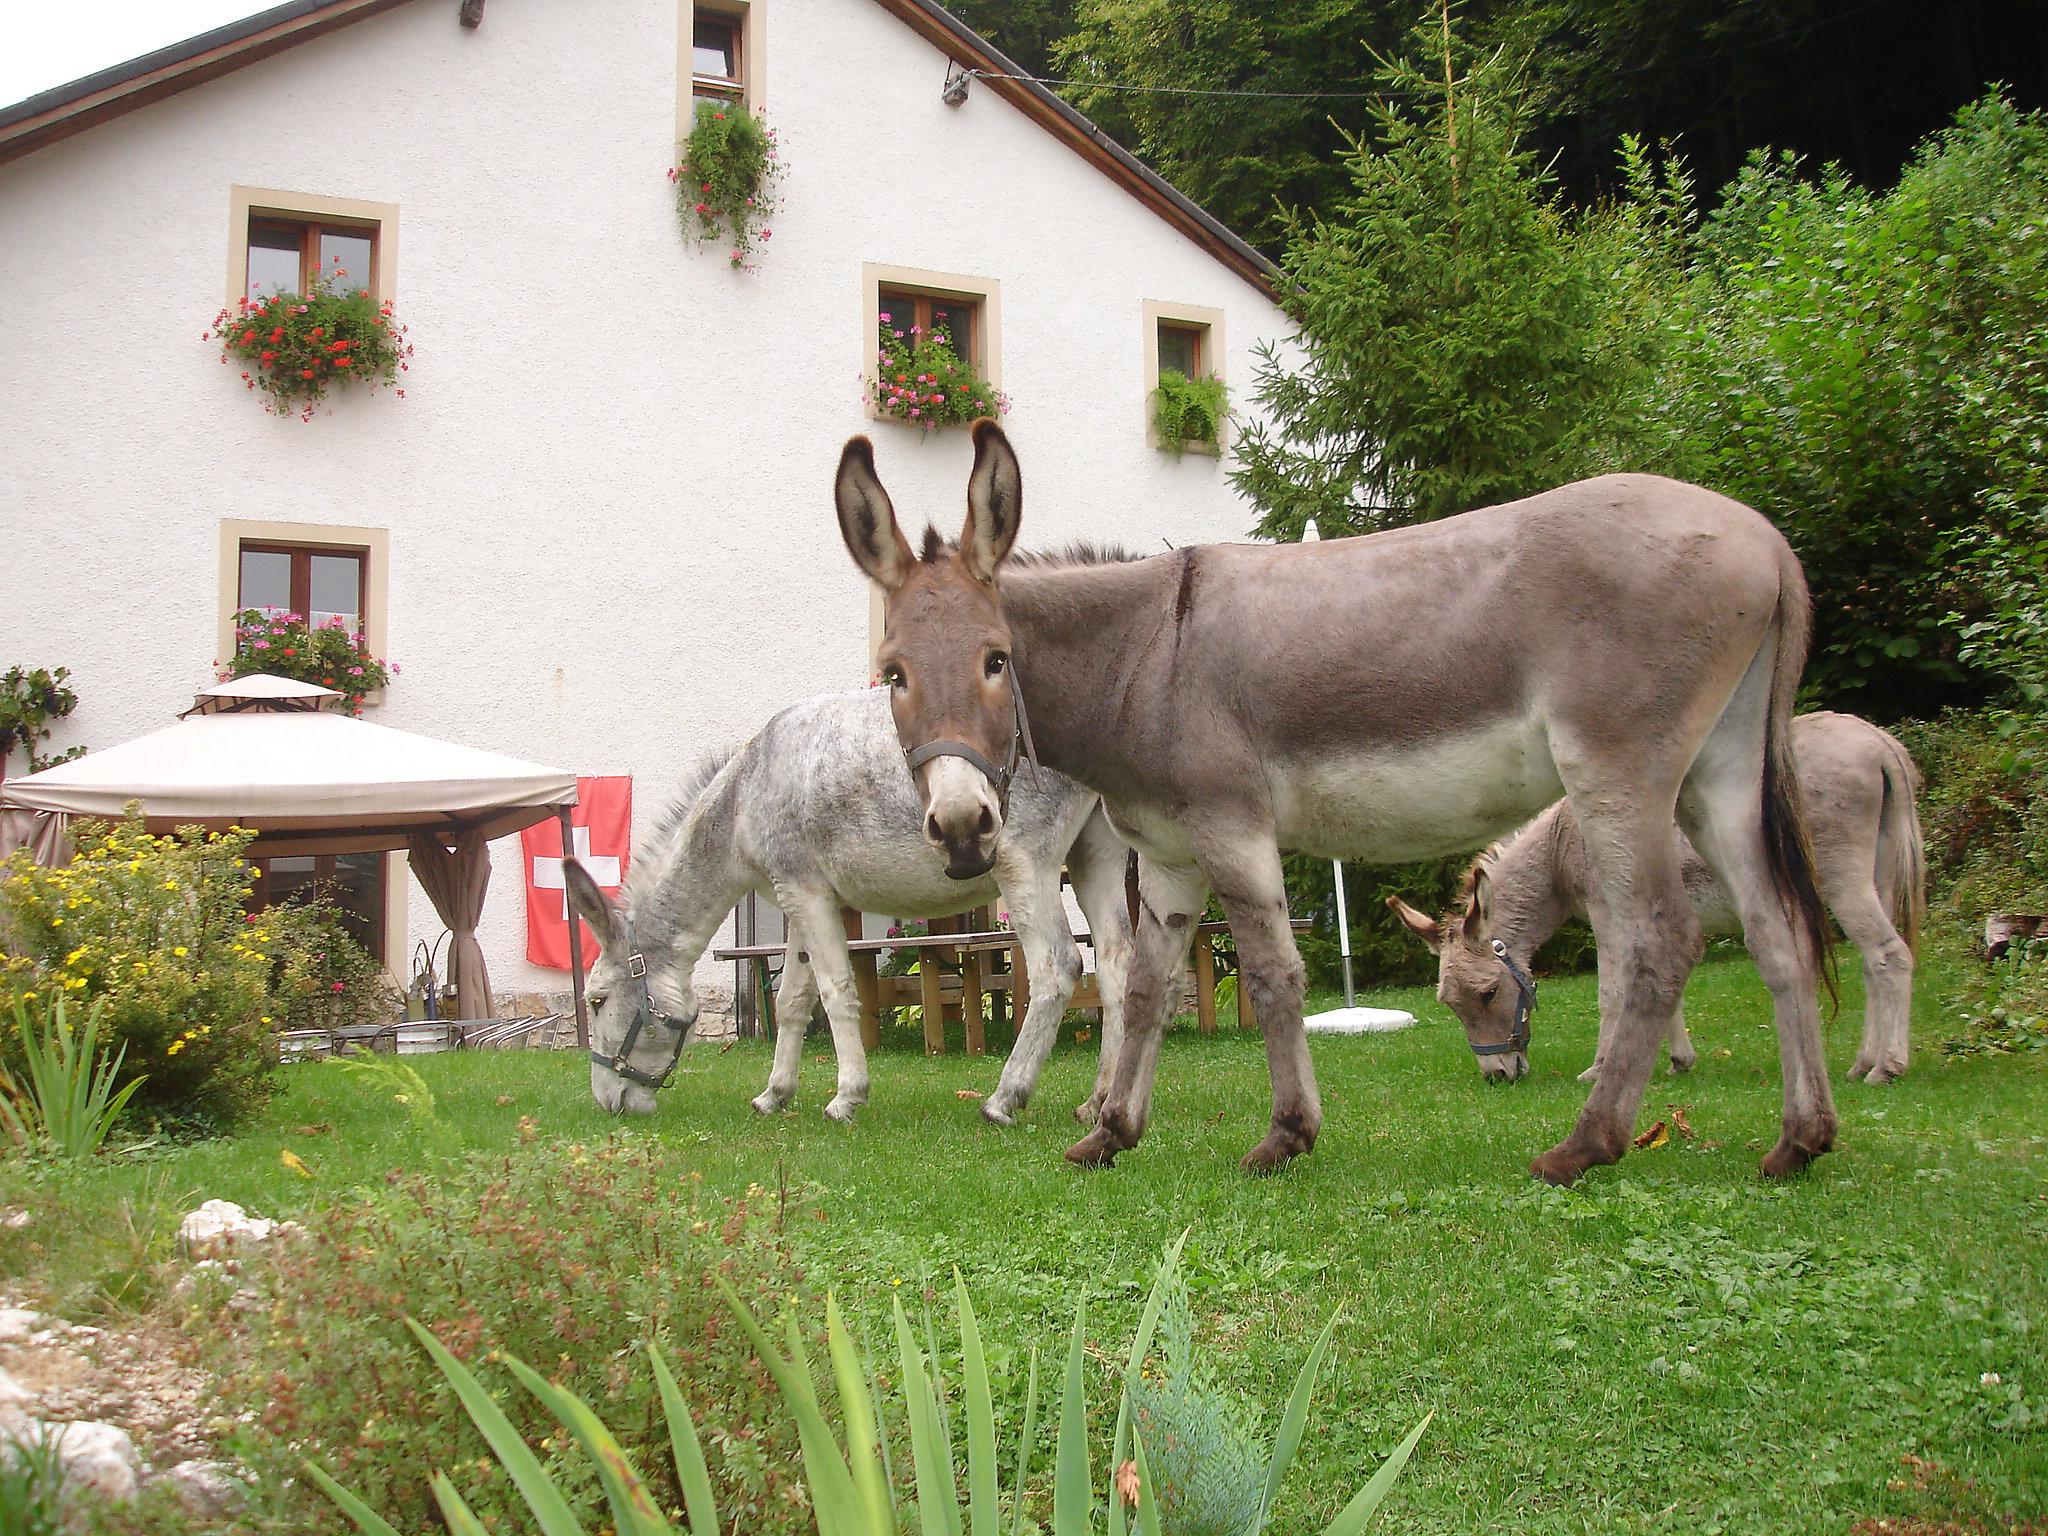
x=524, y=1468
x=1148, y=1503
x=1366, y=1501
x=861, y=1437
x=1070, y=1452
x=938, y=1497
x=1141, y=1344
x=982, y=1474
x=1295, y=1419
x=367, y=1520
x=700, y=1505
x=461, y=1522
x=634, y=1510
x=834, y=1501
x=1024, y=1447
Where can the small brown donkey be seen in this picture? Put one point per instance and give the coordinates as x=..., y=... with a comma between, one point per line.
x=1629, y=642
x=1857, y=783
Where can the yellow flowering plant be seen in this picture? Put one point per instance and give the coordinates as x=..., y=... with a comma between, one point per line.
x=154, y=929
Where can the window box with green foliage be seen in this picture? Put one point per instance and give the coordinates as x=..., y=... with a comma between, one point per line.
x=293, y=346
x=726, y=183
x=1187, y=414
x=331, y=655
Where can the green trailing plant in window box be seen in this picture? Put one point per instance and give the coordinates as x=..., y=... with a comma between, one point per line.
x=726, y=183
x=293, y=346
x=1188, y=412
x=920, y=379
x=330, y=654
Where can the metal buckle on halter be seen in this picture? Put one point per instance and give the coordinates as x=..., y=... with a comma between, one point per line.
x=636, y=964
x=1525, y=1006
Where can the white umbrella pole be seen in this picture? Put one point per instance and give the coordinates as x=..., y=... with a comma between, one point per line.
x=1344, y=933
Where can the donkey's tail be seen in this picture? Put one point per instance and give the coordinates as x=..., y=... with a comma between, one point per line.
x=1901, y=852
x=1786, y=845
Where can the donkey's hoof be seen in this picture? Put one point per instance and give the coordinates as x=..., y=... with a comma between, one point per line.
x=998, y=1112
x=1797, y=1148
x=1089, y=1110
x=1098, y=1149
x=842, y=1110
x=1680, y=1065
x=1563, y=1163
x=1591, y=1074
x=1272, y=1154
x=769, y=1104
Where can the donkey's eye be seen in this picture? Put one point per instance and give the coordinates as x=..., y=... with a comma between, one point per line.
x=597, y=999
x=893, y=676
x=995, y=664
x=1490, y=993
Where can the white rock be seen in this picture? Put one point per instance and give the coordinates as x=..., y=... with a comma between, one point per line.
x=17, y=1323
x=14, y=1221
x=100, y=1456
x=220, y=1229
x=206, y=1489
x=12, y=1392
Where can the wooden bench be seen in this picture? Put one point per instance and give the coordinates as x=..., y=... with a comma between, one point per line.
x=969, y=966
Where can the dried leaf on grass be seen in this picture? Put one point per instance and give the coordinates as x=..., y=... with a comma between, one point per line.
x=1653, y=1138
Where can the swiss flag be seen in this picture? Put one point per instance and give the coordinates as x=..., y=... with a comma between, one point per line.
x=602, y=826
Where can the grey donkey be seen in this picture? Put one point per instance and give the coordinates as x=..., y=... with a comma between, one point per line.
x=1858, y=785
x=818, y=812
x=1629, y=642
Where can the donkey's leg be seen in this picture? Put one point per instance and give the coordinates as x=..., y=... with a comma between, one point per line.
x=1170, y=905
x=1721, y=808
x=1053, y=965
x=1253, y=890
x=1096, y=863
x=1683, y=1056
x=1647, y=935
x=1887, y=983
x=814, y=916
x=794, y=1000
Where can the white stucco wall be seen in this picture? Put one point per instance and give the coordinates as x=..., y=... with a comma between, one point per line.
x=608, y=488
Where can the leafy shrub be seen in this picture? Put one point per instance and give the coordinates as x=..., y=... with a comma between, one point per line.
x=2004, y=1008
x=573, y=1258
x=320, y=977
x=920, y=379
x=1186, y=410
x=1984, y=812
x=330, y=654
x=29, y=701
x=726, y=182
x=155, y=929
x=65, y=1101
x=295, y=345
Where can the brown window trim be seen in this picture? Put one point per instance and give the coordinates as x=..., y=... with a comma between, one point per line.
x=309, y=232
x=894, y=299
x=1198, y=335
x=324, y=873
x=302, y=574
x=732, y=87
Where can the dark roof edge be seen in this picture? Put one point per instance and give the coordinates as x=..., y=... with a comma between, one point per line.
x=968, y=47
x=66, y=109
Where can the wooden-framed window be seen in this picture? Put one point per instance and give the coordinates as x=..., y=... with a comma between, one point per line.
x=958, y=317
x=278, y=240
x=355, y=880
x=1186, y=339
x=323, y=583
x=720, y=56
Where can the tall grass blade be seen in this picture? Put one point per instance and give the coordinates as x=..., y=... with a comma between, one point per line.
x=861, y=1425
x=1295, y=1419
x=367, y=1520
x=1024, y=1446
x=938, y=1496
x=1148, y=1503
x=461, y=1522
x=700, y=1504
x=634, y=1510
x=1141, y=1344
x=1070, y=1515
x=549, y=1508
x=982, y=1474
x=1366, y=1501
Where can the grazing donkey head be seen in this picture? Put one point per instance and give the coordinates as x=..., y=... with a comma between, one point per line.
x=945, y=644
x=636, y=1038
x=1491, y=994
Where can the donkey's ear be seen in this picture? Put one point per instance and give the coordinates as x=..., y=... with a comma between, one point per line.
x=590, y=902
x=995, y=500
x=867, y=519
x=1476, y=905
x=1420, y=924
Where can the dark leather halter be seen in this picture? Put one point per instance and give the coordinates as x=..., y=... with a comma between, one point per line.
x=1020, y=746
x=1525, y=1007
x=644, y=1014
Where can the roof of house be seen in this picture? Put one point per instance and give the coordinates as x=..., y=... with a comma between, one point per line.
x=67, y=109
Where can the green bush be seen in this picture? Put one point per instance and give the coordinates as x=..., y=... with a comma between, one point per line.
x=1984, y=812
x=573, y=1258
x=65, y=1101
x=155, y=930
x=1188, y=411
x=320, y=977
x=726, y=183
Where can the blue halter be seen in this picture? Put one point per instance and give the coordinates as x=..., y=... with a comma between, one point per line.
x=1525, y=1007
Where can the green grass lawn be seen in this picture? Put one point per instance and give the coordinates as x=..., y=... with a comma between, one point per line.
x=1675, y=1345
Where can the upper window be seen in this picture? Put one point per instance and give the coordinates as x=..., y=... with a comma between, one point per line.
x=279, y=241
x=1186, y=339
x=1180, y=349
x=719, y=53
x=716, y=71
x=958, y=319
x=323, y=583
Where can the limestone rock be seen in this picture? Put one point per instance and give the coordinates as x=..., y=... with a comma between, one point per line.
x=17, y=1323
x=220, y=1229
x=98, y=1456
x=206, y=1489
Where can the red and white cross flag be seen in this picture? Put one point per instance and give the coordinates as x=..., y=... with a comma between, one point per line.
x=601, y=826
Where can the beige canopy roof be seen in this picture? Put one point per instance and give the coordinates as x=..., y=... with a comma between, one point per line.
x=260, y=753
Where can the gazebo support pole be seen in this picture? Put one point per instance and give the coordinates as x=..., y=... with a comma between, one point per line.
x=575, y=940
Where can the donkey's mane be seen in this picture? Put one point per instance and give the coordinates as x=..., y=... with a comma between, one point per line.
x=668, y=826
x=1081, y=552
x=1488, y=862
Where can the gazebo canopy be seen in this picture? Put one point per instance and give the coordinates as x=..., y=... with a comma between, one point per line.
x=261, y=753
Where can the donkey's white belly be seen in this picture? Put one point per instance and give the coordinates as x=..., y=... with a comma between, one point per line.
x=1387, y=806
x=914, y=883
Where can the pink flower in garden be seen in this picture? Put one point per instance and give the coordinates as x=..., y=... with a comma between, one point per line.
x=355, y=671
x=767, y=234
x=337, y=987
x=261, y=645
x=885, y=317
x=913, y=410
x=897, y=334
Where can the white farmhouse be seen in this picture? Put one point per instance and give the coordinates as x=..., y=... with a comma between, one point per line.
x=597, y=531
